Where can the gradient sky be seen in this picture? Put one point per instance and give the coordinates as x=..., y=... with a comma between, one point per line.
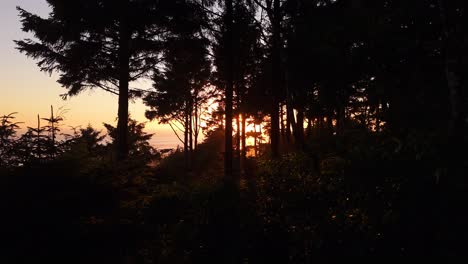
x=26, y=90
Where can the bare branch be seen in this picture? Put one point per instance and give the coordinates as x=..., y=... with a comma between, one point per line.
x=175, y=132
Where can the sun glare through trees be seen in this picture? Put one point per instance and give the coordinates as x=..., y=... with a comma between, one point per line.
x=299, y=129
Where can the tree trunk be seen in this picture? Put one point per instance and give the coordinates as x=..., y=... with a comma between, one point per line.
x=190, y=128
x=228, y=94
x=260, y=140
x=238, y=142
x=299, y=135
x=255, y=140
x=256, y=146
x=288, y=126
x=244, y=151
x=340, y=120
x=309, y=127
x=52, y=126
x=124, y=76
x=197, y=127
x=377, y=117
x=319, y=125
x=276, y=53
x=238, y=136
x=330, y=124
x=291, y=121
x=38, y=143
x=186, y=140
x=282, y=128
x=229, y=232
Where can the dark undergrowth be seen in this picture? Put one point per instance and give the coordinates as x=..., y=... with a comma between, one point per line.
x=372, y=195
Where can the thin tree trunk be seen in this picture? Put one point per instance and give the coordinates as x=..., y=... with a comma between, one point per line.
x=276, y=53
x=238, y=137
x=238, y=160
x=309, y=127
x=124, y=76
x=299, y=135
x=283, y=132
x=244, y=151
x=377, y=117
x=190, y=129
x=238, y=142
x=291, y=121
x=190, y=152
x=288, y=123
x=260, y=140
x=52, y=125
x=38, y=143
x=256, y=146
x=197, y=127
x=255, y=140
x=230, y=232
x=228, y=94
x=340, y=122
x=319, y=125
x=330, y=124
x=186, y=140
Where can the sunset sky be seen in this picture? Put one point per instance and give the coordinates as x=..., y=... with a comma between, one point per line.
x=26, y=90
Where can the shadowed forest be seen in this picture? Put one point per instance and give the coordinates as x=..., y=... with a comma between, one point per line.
x=330, y=127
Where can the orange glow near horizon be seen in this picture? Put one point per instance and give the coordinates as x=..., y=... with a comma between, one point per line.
x=250, y=127
x=29, y=92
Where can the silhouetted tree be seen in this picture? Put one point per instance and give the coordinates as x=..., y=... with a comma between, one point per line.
x=100, y=44
x=140, y=150
x=247, y=54
x=91, y=137
x=181, y=89
x=52, y=128
x=228, y=103
x=273, y=29
x=8, y=130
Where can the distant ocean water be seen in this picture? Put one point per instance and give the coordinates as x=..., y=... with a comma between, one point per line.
x=165, y=142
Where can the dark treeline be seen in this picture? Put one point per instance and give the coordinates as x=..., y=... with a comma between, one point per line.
x=363, y=103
